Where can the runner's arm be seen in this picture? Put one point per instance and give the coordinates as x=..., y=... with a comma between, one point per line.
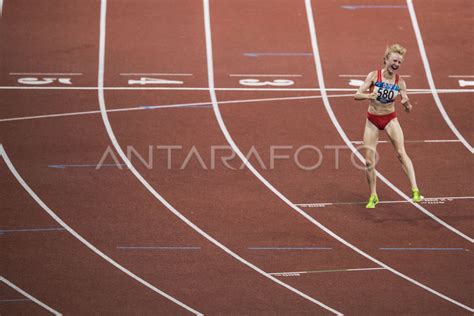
x=361, y=93
x=403, y=94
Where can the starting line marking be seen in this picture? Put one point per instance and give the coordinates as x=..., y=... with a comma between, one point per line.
x=150, y=107
x=433, y=200
x=299, y=273
x=428, y=91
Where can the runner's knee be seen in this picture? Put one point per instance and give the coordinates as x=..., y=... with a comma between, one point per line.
x=369, y=163
x=402, y=155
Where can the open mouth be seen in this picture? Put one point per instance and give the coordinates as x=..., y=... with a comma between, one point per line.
x=394, y=67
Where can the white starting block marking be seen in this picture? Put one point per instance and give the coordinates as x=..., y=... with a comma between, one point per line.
x=465, y=83
x=426, y=200
x=156, y=81
x=356, y=82
x=43, y=81
x=257, y=83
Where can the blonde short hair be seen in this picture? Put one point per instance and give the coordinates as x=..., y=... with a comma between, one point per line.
x=395, y=48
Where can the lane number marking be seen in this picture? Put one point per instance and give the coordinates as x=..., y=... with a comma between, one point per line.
x=258, y=83
x=156, y=81
x=43, y=81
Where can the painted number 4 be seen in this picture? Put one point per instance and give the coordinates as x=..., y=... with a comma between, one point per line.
x=146, y=80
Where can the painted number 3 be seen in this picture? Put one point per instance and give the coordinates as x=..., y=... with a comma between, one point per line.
x=258, y=83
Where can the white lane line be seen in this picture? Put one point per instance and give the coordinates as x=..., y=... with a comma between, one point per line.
x=26, y=294
x=153, y=107
x=183, y=105
x=45, y=73
x=72, y=231
x=1, y=8
x=212, y=93
x=134, y=171
x=426, y=200
x=298, y=273
x=435, y=141
x=126, y=88
x=265, y=75
x=155, y=74
x=461, y=76
x=429, y=76
x=319, y=72
x=177, y=106
x=101, y=97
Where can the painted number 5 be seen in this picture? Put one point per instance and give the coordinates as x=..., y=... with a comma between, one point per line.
x=43, y=81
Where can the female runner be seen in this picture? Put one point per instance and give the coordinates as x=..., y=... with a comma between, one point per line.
x=384, y=85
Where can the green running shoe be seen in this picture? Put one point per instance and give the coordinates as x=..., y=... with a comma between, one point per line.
x=417, y=197
x=373, y=200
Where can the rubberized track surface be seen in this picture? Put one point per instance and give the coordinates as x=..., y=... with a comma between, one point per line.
x=251, y=239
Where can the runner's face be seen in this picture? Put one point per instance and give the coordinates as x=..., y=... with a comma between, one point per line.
x=393, y=62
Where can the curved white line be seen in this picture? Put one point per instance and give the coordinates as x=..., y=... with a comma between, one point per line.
x=79, y=237
x=26, y=294
x=134, y=171
x=319, y=71
x=231, y=142
x=429, y=76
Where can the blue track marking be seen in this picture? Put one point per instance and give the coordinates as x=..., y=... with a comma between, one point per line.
x=196, y=106
x=157, y=248
x=277, y=54
x=289, y=248
x=362, y=6
x=14, y=300
x=105, y=165
x=30, y=230
x=425, y=249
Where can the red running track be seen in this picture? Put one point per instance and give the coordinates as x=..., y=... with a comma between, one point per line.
x=113, y=211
